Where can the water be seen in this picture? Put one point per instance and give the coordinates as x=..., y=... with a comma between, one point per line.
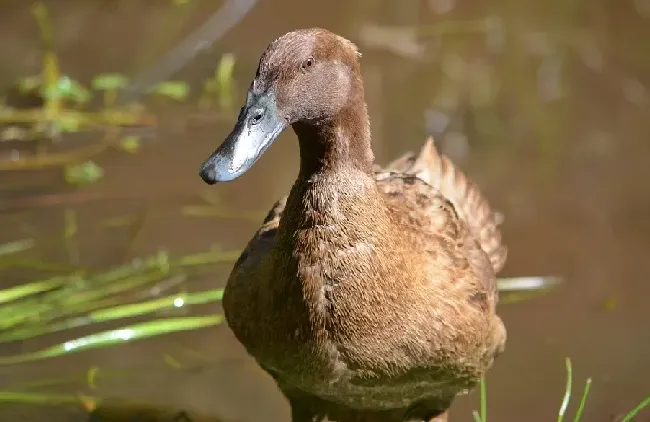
x=549, y=115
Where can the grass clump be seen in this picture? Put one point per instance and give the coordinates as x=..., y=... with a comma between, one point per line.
x=566, y=398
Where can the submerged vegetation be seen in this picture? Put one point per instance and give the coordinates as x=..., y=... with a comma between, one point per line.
x=141, y=298
x=64, y=107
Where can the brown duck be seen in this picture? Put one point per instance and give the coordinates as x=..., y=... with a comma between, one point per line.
x=369, y=295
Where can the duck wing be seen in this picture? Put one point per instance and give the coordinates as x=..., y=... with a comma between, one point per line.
x=263, y=240
x=470, y=205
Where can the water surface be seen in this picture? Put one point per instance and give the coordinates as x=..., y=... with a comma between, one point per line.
x=549, y=114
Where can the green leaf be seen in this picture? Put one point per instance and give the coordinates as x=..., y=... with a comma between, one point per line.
x=77, y=92
x=177, y=90
x=30, y=84
x=225, y=81
x=225, y=71
x=130, y=144
x=69, y=123
x=109, y=81
x=82, y=174
x=69, y=88
x=51, y=92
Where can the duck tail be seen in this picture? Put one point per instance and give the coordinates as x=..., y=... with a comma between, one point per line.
x=438, y=170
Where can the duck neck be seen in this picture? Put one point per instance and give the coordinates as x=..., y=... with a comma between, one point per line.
x=333, y=219
x=333, y=144
x=336, y=170
x=336, y=191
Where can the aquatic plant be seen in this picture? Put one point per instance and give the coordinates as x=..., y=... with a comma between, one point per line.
x=64, y=107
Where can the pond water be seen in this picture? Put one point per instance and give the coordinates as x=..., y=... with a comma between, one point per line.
x=549, y=114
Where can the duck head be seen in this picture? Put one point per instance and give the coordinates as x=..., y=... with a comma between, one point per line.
x=309, y=79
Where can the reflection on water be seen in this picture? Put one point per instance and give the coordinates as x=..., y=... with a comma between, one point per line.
x=545, y=104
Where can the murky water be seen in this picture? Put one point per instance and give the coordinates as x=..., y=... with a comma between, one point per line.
x=550, y=115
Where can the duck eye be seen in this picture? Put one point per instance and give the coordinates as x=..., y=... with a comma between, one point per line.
x=307, y=64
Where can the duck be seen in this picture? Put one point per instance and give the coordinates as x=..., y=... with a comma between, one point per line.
x=368, y=293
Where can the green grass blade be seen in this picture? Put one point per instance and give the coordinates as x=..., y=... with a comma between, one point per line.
x=72, y=298
x=46, y=300
x=88, y=295
x=483, y=387
x=34, y=264
x=514, y=284
x=117, y=336
x=109, y=81
x=16, y=246
x=477, y=417
x=583, y=400
x=567, y=392
x=137, y=266
x=136, y=309
x=221, y=213
x=37, y=398
x=206, y=258
x=18, y=292
x=633, y=412
x=482, y=416
x=15, y=314
x=519, y=289
x=108, y=314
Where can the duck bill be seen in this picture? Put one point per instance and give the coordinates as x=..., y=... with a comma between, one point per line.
x=258, y=125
